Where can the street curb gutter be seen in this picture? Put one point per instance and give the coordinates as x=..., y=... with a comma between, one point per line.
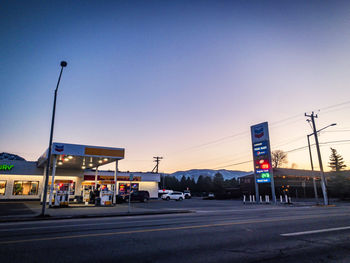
x=37, y=218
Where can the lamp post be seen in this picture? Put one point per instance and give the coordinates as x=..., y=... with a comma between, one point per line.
x=63, y=64
x=323, y=181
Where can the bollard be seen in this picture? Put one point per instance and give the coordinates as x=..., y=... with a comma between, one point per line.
x=267, y=199
x=253, y=198
x=243, y=199
x=281, y=199
x=260, y=199
x=250, y=198
x=289, y=200
x=286, y=198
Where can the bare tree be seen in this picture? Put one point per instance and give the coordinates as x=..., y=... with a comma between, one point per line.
x=279, y=158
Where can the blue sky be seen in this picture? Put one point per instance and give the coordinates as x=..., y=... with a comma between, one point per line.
x=163, y=77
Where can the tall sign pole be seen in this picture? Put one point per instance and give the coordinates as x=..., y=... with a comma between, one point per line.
x=263, y=172
x=63, y=64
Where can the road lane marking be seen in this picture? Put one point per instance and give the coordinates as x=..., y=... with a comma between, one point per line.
x=315, y=231
x=163, y=229
x=186, y=220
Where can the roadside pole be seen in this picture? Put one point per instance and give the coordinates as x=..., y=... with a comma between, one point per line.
x=48, y=161
x=273, y=191
x=312, y=168
x=131, y=178
x=256, y=189
x=323, y=181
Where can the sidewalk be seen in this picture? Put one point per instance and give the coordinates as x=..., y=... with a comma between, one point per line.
x=30, y=211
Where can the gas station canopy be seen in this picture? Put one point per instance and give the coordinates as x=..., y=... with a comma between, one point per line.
x=76, y=156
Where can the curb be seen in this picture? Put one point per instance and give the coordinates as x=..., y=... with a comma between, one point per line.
x=47, y=218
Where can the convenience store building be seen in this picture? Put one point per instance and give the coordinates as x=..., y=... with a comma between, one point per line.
x=74, y=166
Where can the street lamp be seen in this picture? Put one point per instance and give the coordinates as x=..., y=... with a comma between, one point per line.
x=63, y=64
x=312, y=165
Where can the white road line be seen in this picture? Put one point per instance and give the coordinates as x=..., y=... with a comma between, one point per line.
x=241, y=210
x=315, y=231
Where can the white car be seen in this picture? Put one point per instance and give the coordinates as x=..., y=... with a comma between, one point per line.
x=178, y=196
x=187, y=194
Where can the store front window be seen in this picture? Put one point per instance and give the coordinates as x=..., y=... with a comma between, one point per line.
x=2, y=187
x=124, y=188
x=25, y=188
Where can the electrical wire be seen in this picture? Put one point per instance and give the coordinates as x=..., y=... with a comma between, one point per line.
x=287, y=121
x=289, y=151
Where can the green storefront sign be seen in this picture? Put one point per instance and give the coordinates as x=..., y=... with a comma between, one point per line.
x=6, y=167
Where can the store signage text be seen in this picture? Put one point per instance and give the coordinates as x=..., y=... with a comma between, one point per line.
x=6, y=167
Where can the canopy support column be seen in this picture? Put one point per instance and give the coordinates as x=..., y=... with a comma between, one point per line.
x=52, y=179
x=115, y=183
x=44, y=179
x=96, y=174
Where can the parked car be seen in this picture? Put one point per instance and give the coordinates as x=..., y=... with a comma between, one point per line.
x=187, y=194
x=178, y=196
x=210, y=196
x=164, y=191
x=140, y=196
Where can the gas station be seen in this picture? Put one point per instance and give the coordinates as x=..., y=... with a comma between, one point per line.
x=74, y=158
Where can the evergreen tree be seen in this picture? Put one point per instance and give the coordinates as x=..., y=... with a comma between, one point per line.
x=189, y=184
x=218, y=183
x=232, y=183
x=172, y=183
x=183, y=183
x=200, y=184
x=193, y=184
x=336, y=162
x=207, y=184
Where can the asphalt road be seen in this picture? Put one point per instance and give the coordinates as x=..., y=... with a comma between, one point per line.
x=218, y=234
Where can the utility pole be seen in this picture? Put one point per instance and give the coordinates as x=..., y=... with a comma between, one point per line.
x=157, y=160
x=312, y=167
x=323, y=181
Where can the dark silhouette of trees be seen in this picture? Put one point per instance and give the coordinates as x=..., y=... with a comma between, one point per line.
x=218, y=183
x=204, y=184
x=339, y=186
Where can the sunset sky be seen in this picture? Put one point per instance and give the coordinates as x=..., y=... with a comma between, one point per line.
x=180, y=79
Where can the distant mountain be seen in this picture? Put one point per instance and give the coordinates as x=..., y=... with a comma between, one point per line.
x=195, y=173
x=10, y=156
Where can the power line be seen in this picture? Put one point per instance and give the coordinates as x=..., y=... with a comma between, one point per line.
x=233, y=164
x=289, y=151
x=287, y=121
x=336, y=105
x=338, y=131
x=275, y=123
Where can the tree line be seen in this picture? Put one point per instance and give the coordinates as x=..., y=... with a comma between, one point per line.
x=204, y=184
